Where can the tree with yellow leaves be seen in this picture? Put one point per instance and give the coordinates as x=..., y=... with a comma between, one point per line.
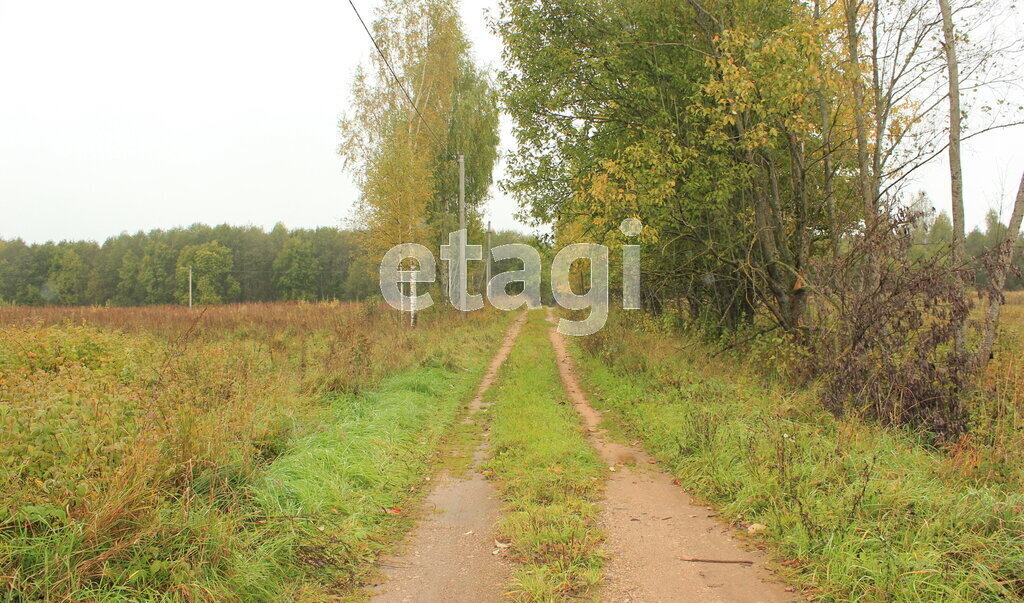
x=419, y=102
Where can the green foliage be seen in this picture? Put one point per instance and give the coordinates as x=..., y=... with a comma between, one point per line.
x=296, y=270
x=155, y=272
x=143, y=268
x=980, y=242
x=69, y=277
x=696, y=118
x=934, y=235
x=210, y=267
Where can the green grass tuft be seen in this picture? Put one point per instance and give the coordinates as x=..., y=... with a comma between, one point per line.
x=549, y=476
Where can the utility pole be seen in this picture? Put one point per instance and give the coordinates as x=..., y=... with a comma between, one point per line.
x=412, y=303
x=487, y=256
x=190, y=287
x=462, y=228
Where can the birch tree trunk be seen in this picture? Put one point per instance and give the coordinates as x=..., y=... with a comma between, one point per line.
x=1000, y=267
x=956, y=182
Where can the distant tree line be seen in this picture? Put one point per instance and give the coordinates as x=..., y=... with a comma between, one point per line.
x=934, y=234
x=229, y=264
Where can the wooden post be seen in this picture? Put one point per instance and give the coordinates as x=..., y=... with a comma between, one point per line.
x=462, y=227
x=412, y=304
x=487, y=257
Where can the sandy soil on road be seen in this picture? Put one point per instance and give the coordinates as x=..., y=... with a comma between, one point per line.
x=652, y=524
x=449, y=555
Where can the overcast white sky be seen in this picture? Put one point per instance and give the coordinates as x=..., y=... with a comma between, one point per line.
x=123, y=115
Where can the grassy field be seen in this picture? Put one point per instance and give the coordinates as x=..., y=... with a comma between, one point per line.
x=158, y=453
x=275, y=452
x=549, y=476
x=994, y=451
x=853, y=511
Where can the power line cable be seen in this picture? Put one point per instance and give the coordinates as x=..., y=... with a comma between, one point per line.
x=394, y=74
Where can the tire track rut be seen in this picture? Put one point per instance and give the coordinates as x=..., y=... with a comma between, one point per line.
x=651, y=524
x=448, y=555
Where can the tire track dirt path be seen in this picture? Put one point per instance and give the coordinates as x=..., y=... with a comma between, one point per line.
x=448, y=555
x=651, y=524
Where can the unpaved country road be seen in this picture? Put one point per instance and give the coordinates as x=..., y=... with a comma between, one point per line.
x=651, y=523
x=448, y=556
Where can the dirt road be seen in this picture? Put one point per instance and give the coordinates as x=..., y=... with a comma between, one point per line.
x=448, y=556
x=652, y=524
x=660, y=545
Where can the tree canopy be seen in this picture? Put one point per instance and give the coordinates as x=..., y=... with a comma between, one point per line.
x=401, y=137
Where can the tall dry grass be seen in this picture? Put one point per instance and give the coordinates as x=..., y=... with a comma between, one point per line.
x=994, y=448
x=122, y=428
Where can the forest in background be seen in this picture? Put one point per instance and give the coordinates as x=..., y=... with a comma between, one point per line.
x=241, y=264
x=935, y=231
x=230, y=264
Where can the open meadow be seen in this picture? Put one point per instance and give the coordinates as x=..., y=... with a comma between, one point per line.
x=228, y=452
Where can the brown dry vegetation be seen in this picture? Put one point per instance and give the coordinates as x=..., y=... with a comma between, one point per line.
x=994, y=449
x=130, y=437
